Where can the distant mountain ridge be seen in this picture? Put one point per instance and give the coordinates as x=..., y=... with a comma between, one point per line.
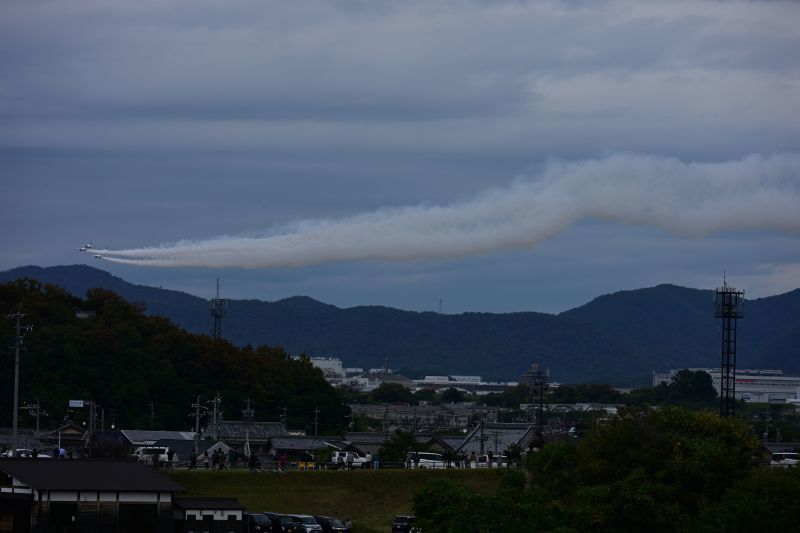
x=618, y=338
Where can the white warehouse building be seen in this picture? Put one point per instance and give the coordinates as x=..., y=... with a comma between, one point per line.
x=761, y=386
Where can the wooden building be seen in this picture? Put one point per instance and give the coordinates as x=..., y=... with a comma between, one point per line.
x=83, y=496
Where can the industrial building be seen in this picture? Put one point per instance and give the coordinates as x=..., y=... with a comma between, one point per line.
x=761, y=386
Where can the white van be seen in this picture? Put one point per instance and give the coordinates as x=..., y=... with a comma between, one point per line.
x=424, y=460
x=498, y=461
x=146, y=454
x=357, y=460
x=784, y=460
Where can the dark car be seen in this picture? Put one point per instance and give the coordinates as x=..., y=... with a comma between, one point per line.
x=257, y=523
x=404, y=524
x=331, y=525
x=282, y=523
x=306, y=523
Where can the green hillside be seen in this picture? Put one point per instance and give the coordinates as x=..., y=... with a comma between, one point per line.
x=124, y=359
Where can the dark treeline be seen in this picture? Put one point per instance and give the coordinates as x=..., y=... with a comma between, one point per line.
x=124, y=359
x=646, y=470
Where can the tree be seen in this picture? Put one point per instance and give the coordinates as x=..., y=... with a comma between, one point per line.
x=691, y=386
x=642, y=470
x=452, y=395
x=392, y=393
x=426, y=395
x=396, y=448
x=123, y=359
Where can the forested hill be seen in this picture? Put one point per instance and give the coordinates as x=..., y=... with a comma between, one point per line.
x=122, y=359
x=618, y=338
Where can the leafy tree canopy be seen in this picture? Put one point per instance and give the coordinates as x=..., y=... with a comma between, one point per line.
x=644, y=470
x=392, y=393
x=123, y=360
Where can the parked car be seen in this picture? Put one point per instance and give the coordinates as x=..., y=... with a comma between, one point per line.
x=784, y=459
x=257, y=523
x=146, y=454
x=306, y=522
x=497, y=461
x=24, y=452
x=424, y=460
x=404, y=524
x=357, y=459
x=282, y=523
x=331, y=525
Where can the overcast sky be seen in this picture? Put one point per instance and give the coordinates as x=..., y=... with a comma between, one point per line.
x=571, y=148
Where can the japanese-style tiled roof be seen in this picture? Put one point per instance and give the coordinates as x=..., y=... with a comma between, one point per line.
x=367, y=437
x=234, y=430
x=185, y=447
x=299, y=443
x=87, y=474
x=207, y=503
x=145, y=437
x=448, y=442
x=497, y=435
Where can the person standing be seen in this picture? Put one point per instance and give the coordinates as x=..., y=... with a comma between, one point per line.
x=192, y=461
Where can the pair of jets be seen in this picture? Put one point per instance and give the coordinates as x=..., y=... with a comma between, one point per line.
x=88, y=248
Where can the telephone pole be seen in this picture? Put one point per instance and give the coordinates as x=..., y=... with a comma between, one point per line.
x=216, y=415
x=197, y=408
x=35, y=410
x=19, y=340
x=316, y=421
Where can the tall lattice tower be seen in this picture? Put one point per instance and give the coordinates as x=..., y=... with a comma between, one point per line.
x=729, y=306
x=218, y=308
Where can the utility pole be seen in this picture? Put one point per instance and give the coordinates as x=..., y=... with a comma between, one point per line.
x=216, y=415
x=385, y=423
x=92, y=425
x=152, y=414
x=483, y=420
x=316, y=421
x=35, y=409
x=283, y=417
x=197, y=408
x=19, y=339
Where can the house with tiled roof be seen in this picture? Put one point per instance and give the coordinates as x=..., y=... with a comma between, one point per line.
x=84, y=495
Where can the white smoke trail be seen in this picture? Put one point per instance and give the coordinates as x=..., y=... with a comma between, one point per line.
x=691, y=199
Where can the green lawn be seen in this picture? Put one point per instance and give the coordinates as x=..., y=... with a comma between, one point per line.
x=371, y=498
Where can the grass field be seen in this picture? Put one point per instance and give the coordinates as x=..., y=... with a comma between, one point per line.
x=370, y=498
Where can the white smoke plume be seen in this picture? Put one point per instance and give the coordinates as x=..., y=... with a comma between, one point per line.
x=689, y=199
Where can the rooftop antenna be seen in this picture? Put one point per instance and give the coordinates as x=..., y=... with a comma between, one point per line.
x=218, y=309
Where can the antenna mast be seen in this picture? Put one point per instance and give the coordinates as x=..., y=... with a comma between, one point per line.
x=218, y=308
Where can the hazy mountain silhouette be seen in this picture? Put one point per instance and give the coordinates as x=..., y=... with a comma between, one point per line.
x=617, y=338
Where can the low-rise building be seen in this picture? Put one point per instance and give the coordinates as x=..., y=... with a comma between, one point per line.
x=84, y=495
x=414, y=417
x=471, y=384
